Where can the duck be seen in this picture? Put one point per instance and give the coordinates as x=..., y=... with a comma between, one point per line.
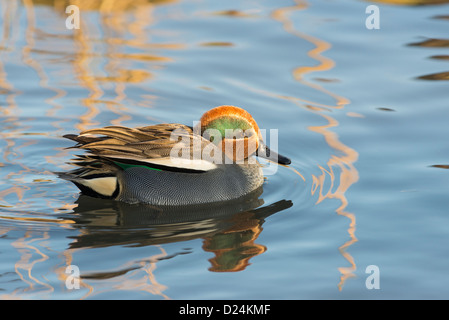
x=172, y=164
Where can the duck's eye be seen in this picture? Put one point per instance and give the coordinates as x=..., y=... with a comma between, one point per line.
x=240, y=138
x=213, y=135
x=236, y=134
x=249, y=133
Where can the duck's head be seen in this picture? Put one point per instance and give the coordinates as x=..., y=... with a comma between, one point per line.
x=239, y=133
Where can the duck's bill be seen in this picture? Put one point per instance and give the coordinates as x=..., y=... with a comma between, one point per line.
x=266, y=153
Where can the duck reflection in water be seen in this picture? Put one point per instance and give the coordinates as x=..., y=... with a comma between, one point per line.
x=228, y=229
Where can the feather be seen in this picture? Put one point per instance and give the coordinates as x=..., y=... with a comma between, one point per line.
x=164, y=145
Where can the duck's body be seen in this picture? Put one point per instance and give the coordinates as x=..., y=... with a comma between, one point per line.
x=223, y=183
x=143, y=165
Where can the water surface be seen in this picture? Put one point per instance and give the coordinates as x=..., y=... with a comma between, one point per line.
x=362, y=114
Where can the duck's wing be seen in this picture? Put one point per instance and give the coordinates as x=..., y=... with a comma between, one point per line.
x=173, y=147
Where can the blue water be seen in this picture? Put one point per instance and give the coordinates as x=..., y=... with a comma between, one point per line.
x=362, y=114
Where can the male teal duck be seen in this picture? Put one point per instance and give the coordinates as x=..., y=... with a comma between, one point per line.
x=173, y=164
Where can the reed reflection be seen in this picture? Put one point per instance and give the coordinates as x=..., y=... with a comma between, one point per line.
x=13, y=146
x=412, y=2
x=125, y=51
x=109, y=54
x=434, y=43
x=340, y=169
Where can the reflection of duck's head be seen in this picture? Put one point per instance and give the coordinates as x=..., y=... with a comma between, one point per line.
x=229, y=230
x=173, y=164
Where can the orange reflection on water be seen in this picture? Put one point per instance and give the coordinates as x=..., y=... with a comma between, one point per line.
x=114, y=15
x=234, y=247
x=147, y=282
x=412, y=2
x=137, y=16
x=28, y=248
x=348, y=176
x=125, y=25
x=344, y=157
x=129, y=277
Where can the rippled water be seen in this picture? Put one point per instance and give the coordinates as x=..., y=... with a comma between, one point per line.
x=363, y=114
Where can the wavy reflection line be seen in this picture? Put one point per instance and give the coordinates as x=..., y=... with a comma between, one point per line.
x=27, y=262
x=111, y=21
x=24, y=246
x=8, y=112
x=12, y=155
x=112, y=24
x=412, y=2
x=11, y=119
x=152, y=286
x=63, y=276
x=11, y=149
x=128, y=277
x=9, y=8
x=315, y=53
x=31, y=33
x=81, y=68
x=345, y=161
x=348, y=176
x=27, y=251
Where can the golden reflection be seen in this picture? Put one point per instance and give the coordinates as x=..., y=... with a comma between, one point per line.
x=344, y=157
x=10, y=123
x=132, y=276
x=32, y=219
x=81, y=69
x=113, y=6
x=412, y=2
x=79, y=52
x=230, y=236
x=30, y=36
x=114, y=14
x=11, y=152
x=30, y=247
x=63, y=275
x=217, y=44
x=235, y=14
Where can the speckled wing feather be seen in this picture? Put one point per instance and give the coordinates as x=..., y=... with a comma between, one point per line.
x=151, y=144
